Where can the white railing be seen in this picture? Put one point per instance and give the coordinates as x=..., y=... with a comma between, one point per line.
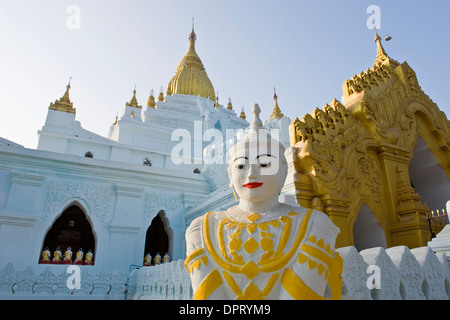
x=167, y=281
x=61, y=282
x=376, y=273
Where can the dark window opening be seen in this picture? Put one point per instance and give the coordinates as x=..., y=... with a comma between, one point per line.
x=156, y=241
x=70, y=232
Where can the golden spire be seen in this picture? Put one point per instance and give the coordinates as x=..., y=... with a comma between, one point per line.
x=192, y=37
x=151, y=100
x=217, y=105
x=161, y=94
x=382, y=56
x=117, y=120
x=64, y=104
x=230, y=106
x=276, y=114
x=243, y=116
x=190, y=77
x=66, y=94
x=133, y=102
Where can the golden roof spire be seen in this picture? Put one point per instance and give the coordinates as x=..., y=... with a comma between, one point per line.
x=243, y=116
x=382, y=56
x=276, y=114
x=190, y=77
x=161, y=94
x=192, y=36
x=133, y=102
x=117, y=120
x=64, y=104
x=230, y=105
x=151, y=100
x=66, y=94
x=217, y=105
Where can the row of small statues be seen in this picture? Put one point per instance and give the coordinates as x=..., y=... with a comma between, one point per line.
x=156, y=260
x=58, y=258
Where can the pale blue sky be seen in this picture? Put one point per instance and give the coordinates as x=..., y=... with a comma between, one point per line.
x=307, y=49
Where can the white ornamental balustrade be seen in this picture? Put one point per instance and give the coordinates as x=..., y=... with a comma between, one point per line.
x=436, y=279
x=375, y=273
x=354, y=274
x=410, y=271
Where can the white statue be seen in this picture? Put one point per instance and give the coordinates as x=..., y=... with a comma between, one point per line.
x=260, y=248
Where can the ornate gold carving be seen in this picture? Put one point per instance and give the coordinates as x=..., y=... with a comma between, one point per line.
x=64, y=104
x=133, y=102
x=352, y=152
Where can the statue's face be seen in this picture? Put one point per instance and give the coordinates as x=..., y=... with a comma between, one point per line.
x=257, y=174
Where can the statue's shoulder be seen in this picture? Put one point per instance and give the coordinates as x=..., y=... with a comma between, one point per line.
x=194, y=233
x=319, y=224
x=195, y=225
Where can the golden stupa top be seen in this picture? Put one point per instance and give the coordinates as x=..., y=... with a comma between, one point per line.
x=378, y=73
x=64, y=104
x=133, y=102
x=276, y=113
x=191, y=77
x=382, y=56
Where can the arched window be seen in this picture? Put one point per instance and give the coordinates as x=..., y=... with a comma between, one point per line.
x=157, y=239
x=428, y=178
x=71, y=230
x=367, y=232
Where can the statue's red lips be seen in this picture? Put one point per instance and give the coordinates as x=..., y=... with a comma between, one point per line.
x=253, y=185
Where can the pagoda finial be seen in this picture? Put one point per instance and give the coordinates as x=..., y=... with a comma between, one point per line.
x=256, y=123
x=133, y=102
x=242, y=116
x=151, y=100
x=65, y=97
x=161, y=94
x=192, y=36
x=230, y=105
x=64, y=104
x=382, y=56
x=217, y=105
x=276, y=114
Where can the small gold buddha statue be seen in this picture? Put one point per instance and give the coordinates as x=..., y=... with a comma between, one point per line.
x=57, y=256
x=148, y=259
x=67, y=256
x=79, y=257
x=166, y=258
x=88, y=258
x=157, y=259
x=45, y=256
x=261, y=248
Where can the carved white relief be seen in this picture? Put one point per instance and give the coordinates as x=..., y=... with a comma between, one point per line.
x=411, y=273
x=354, y=274
x=53, y=282
x=99, y=198
x=154, y=202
